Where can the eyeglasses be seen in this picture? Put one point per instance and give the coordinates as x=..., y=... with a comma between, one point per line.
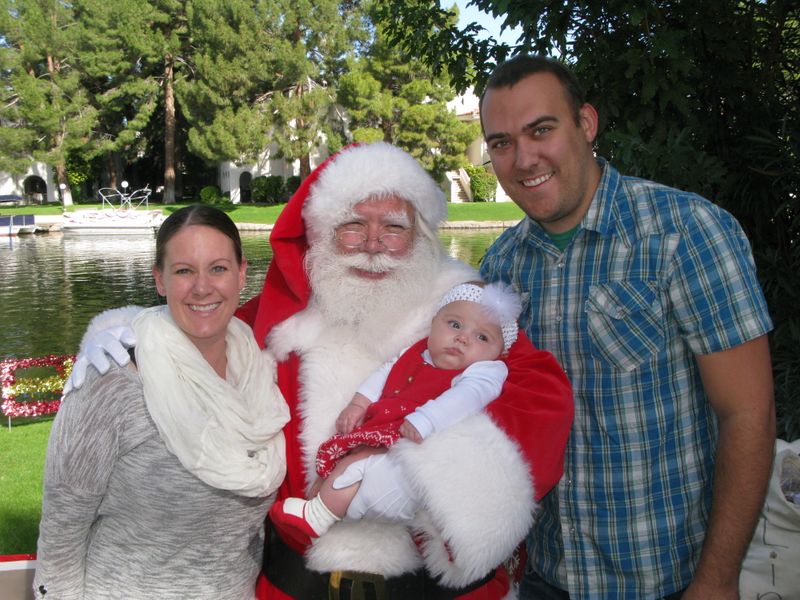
x=393, y=242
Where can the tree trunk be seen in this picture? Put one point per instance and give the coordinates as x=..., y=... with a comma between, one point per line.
x=305, y=159
x=305, y=166
x=61, y=180
x=61, y=170
x=169, y=132
x=111, y=169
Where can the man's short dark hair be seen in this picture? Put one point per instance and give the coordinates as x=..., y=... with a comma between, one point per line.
x=521, y=66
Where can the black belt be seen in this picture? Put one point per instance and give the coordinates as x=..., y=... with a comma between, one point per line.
x=286, y=570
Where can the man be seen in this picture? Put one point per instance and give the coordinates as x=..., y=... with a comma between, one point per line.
x=332, y=311
x=649, y=299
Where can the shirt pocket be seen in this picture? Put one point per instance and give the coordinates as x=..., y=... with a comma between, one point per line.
x=625, y=322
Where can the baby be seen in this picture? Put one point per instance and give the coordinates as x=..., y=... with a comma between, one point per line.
x=435, y=383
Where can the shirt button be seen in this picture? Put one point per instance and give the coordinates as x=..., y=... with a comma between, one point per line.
x=560, y=265
x=411, y=378
x=558, y=318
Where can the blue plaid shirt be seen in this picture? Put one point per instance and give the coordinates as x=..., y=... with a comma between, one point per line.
x=652, y=277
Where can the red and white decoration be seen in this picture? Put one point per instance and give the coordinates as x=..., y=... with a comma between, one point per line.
x=20, y=395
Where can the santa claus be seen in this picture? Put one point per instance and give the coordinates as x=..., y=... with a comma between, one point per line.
x=437, y=519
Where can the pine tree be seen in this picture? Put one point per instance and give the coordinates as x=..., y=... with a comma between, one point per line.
x=45, y=114
x=233, y=66
x=391, y=96
x=312, y=40
x=114, y=52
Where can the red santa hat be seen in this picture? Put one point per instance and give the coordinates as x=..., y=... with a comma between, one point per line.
x=323, y=201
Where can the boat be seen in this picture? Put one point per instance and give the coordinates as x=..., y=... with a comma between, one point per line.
x=19, y=225
x=118, y=215
x=112, y=221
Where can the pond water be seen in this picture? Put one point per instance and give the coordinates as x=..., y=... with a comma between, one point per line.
x=51, y=285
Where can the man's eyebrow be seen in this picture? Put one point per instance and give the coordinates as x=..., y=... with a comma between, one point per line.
x=525, y=128
x=535, y=123
x=496, y=136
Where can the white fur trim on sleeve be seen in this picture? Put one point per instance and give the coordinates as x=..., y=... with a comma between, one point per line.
x=107, y=319
x=478, y=498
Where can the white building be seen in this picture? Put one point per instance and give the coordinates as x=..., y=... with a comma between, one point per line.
x=236, y=179
x=36, y=186
x=466, y=108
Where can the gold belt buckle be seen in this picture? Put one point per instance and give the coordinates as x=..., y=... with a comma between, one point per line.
x=356, y=586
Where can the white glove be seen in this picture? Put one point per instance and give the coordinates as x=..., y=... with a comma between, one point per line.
x=113, y=342
x=384, y=493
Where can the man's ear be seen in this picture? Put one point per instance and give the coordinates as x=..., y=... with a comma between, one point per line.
x=588, y=120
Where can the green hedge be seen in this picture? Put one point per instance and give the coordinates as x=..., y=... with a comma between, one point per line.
x=482, y=184
x=210, y=194
x=268, y=189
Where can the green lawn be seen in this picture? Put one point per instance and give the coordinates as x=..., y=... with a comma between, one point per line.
x=22, y=451
x=248, y=213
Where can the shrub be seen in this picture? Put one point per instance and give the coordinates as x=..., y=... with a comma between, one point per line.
x=267, y=189
x=482, y=184
x=292, y=183
x=258, y=189
x=210, y=195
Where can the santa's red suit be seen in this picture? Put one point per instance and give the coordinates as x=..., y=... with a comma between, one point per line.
x=478, y=480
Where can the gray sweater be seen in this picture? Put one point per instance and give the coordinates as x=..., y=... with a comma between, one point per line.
x=122, y=518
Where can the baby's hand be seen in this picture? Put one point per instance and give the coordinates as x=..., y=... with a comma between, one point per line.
x=350, y=417
x=408, y=431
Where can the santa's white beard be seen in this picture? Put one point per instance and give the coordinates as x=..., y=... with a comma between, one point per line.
x=370, y=307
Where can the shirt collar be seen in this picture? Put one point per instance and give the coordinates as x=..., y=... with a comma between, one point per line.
x=611, y=212
x=598, y=217
x=426, y=356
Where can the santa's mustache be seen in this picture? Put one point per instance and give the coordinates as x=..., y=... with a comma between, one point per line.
x=373, y=263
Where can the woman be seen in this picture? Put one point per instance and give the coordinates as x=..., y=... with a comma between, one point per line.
x=159, y=474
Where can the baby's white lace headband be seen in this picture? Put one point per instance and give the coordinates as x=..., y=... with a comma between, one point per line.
x=501, y=302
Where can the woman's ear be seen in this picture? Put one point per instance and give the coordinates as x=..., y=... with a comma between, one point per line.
x=157, y=275
x=242, y=274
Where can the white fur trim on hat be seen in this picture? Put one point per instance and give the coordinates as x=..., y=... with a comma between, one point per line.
x=501, y=302
x=360, y=172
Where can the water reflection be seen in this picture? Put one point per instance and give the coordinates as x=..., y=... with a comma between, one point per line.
x=52, y=285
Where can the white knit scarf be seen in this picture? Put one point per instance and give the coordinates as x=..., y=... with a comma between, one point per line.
x=226, y=432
